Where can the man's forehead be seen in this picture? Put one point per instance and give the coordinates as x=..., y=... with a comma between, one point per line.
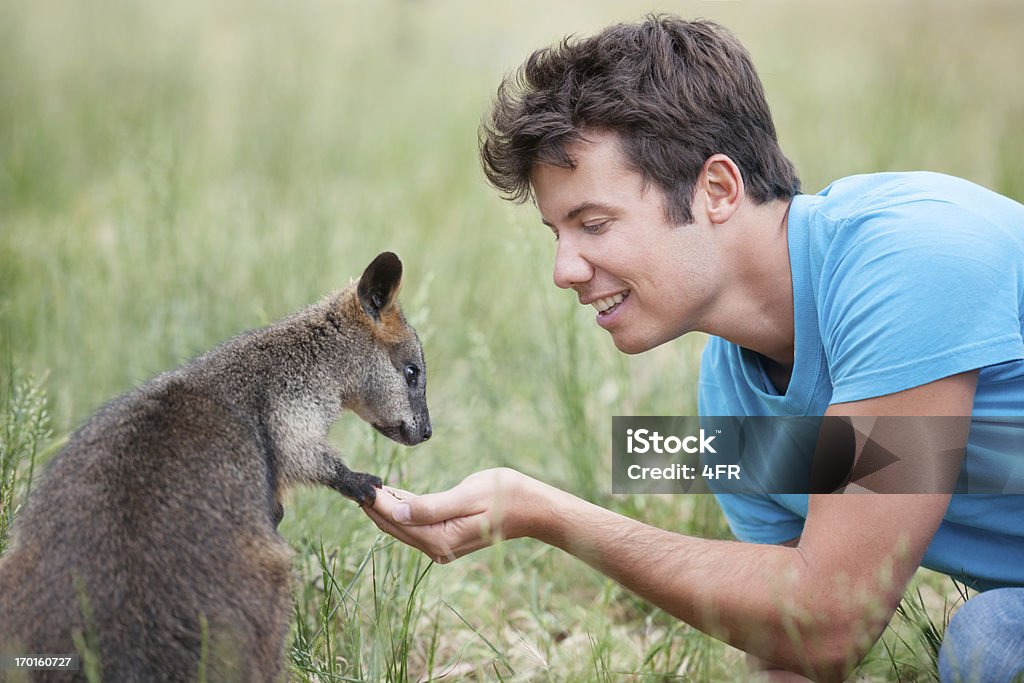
x=596, y=157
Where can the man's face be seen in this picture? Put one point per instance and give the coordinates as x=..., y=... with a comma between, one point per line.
x=649, y=280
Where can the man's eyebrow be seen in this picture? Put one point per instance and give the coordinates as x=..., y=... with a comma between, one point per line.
x=578, y=209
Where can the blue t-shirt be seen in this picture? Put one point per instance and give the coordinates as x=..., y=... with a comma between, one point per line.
x=899, y=279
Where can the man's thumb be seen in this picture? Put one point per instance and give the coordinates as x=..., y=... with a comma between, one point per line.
x=432, y=508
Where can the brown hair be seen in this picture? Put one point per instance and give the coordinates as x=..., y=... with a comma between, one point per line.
x=675, y=92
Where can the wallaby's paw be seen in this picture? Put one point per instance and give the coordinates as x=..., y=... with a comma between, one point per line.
x=360, y=487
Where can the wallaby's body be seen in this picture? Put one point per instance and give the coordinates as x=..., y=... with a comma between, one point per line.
x=157, y=522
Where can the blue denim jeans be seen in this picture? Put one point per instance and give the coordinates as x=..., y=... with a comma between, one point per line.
x=984, y=642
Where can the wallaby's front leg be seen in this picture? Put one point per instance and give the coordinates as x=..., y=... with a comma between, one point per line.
x=359, y=486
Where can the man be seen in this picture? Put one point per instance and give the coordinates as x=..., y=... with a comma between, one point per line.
x=651, y=155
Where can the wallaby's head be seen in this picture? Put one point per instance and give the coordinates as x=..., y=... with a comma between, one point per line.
x=393, y=396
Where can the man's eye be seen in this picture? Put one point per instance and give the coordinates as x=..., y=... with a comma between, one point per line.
x=594, y=228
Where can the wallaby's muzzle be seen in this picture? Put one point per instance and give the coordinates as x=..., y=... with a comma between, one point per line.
x=408, y=433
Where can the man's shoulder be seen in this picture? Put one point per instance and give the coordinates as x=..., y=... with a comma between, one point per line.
x=913, y=277
x=923, y=217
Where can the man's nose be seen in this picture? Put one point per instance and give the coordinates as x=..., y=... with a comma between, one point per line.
x=571, y=268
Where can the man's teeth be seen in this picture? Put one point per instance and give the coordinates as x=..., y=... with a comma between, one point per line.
x=602, y=305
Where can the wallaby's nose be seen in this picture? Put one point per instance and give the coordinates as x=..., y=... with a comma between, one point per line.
x=427, y=431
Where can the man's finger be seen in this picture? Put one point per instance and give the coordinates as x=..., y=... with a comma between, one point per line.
x=397, y=493
x=403, y=534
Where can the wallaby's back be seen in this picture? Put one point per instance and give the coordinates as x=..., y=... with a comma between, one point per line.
x=137, y=509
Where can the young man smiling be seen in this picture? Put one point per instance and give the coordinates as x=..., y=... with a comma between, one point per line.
x=651, y=154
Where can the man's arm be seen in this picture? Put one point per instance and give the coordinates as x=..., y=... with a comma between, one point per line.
x=815, y=608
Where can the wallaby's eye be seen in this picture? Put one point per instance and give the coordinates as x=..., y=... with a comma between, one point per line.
x=412, y=375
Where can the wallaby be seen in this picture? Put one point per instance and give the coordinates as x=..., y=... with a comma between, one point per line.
x=151, y=539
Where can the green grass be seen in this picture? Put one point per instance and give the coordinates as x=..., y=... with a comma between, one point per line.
x=24, y=431
x=174, y=173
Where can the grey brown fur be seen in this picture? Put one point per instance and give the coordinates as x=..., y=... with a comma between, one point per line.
x=161, y=511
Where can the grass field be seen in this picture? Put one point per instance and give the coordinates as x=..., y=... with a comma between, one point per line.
x=174, y=173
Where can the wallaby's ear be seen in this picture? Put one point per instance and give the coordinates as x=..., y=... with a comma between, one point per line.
x=379, y=284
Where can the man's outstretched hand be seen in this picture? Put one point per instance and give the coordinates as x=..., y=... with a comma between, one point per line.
x=483, y=509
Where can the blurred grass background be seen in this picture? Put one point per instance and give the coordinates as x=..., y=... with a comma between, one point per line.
x=174, y=173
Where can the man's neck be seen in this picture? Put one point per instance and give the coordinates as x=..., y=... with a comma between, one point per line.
x=758, y=308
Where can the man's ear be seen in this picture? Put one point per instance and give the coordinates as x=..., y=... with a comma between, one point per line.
x=722, y=181
x=379, y=284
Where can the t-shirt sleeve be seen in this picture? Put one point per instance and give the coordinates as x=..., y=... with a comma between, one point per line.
x=913, y=293
x=759, y=519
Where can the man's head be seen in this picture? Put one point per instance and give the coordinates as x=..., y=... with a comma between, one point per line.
x=674, y=92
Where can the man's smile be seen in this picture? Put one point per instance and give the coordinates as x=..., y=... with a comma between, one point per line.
x=605, y=305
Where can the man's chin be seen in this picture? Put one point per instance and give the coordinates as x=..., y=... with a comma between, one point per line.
x=629, y=345
x=632, y=345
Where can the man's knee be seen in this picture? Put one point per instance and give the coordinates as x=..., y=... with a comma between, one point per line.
x=984, y=641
